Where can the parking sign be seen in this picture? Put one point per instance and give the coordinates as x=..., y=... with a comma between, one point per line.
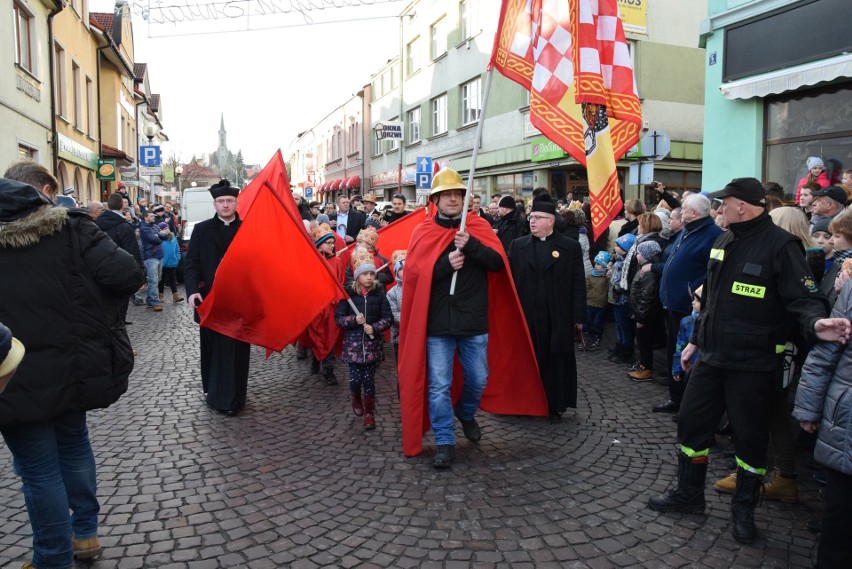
x=149, y=155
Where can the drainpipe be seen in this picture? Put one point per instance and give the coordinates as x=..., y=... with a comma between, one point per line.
x=54, y=139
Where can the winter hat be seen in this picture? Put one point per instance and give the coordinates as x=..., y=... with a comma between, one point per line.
x=162, y=225
x=398, y=266
x=158, y=208
x=321, y=234
x=602, y=258
x=814, y=161
x=626, y=241
x=507, y=202
x=822, y=224
x=664, y=217
x=11, y=351
x=362, y=262
x=372, y=223
x=369, y=236
x=322, y=218
x=648, y=249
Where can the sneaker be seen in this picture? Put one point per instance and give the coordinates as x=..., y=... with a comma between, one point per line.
x=88, y=548
x=444, y=457
x=593, y=345
x=642, y=374
x=634, y=367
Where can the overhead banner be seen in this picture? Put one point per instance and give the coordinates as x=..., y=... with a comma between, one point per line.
x=634, y=15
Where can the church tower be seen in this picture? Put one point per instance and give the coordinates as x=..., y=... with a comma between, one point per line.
x=222, y=151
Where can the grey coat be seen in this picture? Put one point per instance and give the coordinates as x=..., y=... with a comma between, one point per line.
x=825, y=394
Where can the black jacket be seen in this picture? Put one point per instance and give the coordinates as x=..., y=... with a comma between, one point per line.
x=645, y=297
x=206, y=248
x=120, y=231
x=58, y=288
x=510, y=227
x=758, y=287
x=466, y=312
x=563, y=283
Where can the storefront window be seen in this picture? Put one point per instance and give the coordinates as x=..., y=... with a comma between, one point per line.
x=515, y=184
x=812, y=123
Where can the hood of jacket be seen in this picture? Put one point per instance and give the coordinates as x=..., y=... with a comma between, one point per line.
x=30, y=229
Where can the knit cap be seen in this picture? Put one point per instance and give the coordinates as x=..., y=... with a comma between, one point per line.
x=648, y=249
x=362, y=262
x=814, y=161
x=626, y=241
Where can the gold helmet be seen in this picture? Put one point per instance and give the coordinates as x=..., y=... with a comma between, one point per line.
x=446, y=179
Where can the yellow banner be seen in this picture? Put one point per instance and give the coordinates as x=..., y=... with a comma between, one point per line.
x=634, y=15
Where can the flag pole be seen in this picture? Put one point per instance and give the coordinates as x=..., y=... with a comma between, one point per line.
x=476, y=144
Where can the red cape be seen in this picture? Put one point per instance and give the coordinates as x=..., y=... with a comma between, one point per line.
x=514, y=387
x=322, y=335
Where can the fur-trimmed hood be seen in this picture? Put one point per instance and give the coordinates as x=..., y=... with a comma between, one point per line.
x=29, y=230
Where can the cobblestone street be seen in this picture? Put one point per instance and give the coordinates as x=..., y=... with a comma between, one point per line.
x=295, y=481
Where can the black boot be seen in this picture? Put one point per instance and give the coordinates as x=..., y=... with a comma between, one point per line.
x=743, y=505
x=688, y=497
x=315, y=366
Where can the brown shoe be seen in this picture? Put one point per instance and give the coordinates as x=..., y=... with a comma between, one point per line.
x=727, y=485
x=782, y=488
x=641, y=374
x=176, y=297
x=88, y=548
x=155, y=307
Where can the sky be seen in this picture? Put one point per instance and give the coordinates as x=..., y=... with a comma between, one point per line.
x=270, y=84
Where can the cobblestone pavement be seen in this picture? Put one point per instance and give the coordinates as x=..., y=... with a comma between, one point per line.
x=295, y=481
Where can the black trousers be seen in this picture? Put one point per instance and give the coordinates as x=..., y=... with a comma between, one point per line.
x=744, y=394
x=645, y=340
x=224, y=370
x=672, y=326
x=168, y=278
x=835, y=542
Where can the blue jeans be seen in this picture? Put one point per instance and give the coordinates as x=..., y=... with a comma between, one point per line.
x=152, y=268
x=624, y=331
x=595, y=320
x=473, y=355
x=57, y=470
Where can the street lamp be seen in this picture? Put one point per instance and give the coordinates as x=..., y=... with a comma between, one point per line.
x=178, y=172
x=151, y=129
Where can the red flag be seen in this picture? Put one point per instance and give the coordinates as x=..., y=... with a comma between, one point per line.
x=572, y=56
x=275, y=174
x=272, y=281
x=396, y=235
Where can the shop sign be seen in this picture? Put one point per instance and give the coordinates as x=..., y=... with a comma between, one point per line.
x=634, y=15
x=106, y=170
x=77, y=153
x=544, y=149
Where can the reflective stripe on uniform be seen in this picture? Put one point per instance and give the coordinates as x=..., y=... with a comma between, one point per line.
x=745, y=289
x=717, y=254
x=780, y=348
x=694, y=453
x=744, y=466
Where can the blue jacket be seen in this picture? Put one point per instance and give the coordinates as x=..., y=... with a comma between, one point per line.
x=171, y=252
x=683, y=334
x=151, y=241
x=686, y=267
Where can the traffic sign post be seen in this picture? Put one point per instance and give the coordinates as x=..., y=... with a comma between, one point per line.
x=149, y=160
x=423, y=173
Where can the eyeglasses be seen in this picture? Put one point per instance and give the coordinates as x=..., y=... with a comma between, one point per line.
x=538, y=217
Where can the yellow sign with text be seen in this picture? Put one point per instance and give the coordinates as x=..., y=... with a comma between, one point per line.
x=634, y=15
x=745, y=289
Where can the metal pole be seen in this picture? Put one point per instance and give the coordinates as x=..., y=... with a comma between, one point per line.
x=476, y=143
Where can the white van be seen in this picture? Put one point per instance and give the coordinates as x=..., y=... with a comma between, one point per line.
x=197, y=205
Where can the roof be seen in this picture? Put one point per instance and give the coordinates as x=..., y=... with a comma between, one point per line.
x=108, y=151
x=102, y=21
x=139, y=70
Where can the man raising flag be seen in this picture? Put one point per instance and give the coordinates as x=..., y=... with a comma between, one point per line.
x=573, y=58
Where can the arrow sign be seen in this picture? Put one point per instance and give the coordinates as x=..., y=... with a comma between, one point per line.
x=424, y=164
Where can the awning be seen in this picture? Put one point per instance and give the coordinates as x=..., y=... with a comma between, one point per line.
x=321, y=188
x=789, y=79
x=335, y=185
x=353, y=182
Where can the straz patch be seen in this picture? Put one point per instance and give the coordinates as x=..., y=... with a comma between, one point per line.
x=745, y=289
x=809, y=283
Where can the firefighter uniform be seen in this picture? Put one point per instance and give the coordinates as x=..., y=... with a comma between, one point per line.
x=758, y=288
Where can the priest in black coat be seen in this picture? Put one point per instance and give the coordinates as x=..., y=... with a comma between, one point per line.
x=224, y=360
x=548, y=271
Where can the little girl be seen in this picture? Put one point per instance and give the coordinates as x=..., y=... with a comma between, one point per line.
x=363, y=344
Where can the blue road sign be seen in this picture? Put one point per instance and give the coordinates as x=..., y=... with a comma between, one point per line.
x=424, y=164
x=424, y=180
x=149, y=155
x=309, y=192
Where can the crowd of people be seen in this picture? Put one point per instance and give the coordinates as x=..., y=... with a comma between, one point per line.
x=735, y=287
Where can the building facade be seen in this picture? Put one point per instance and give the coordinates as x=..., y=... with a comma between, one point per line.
x=25, y=91
x=778, y=90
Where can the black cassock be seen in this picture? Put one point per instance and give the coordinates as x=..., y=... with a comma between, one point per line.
x=551, y=286
x=224, y=361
